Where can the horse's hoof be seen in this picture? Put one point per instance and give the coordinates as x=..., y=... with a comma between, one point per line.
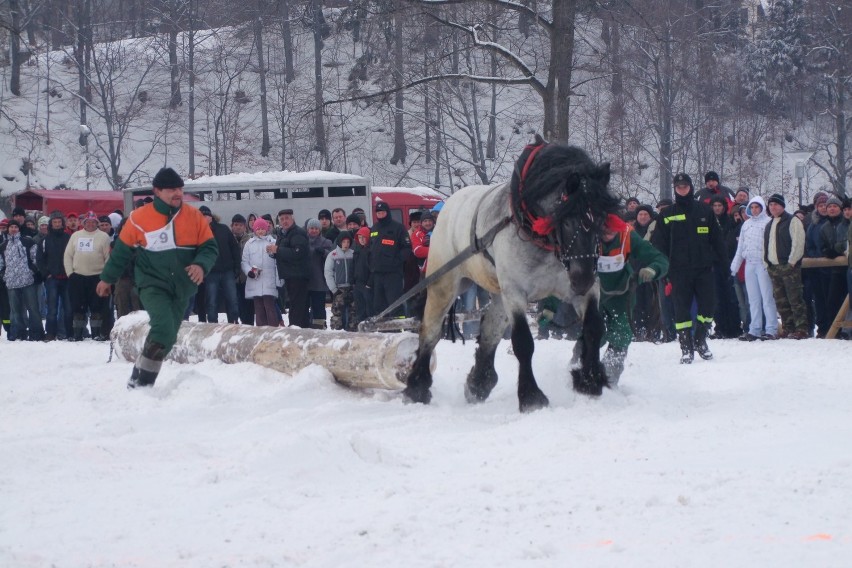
x=590, y=386
x=479, y=390
x=475, y=395
x=414, y=395
x=533, y=401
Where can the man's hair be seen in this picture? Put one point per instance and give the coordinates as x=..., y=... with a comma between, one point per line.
x=339, y=209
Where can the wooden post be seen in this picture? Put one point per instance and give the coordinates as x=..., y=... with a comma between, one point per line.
x=359, y=360
x=840, y=319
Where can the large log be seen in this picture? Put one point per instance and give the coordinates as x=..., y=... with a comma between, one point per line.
x=360, y=360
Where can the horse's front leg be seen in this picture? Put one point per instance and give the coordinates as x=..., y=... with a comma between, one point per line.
x=483, y=377
x=419, y=379
x=530, y=396
x=591, y=378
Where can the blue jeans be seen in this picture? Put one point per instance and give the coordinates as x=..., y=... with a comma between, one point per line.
x=57, y=291
x=26, y=318
x=225, y=282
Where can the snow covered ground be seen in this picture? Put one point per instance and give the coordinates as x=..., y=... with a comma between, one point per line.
x=742, y=461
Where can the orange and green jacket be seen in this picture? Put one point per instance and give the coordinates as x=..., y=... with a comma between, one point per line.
x=163, y=269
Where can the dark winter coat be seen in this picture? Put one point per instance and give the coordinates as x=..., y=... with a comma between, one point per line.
x=293, y=254
x=688, y=234
x=390, y=246
x=230, y=255
x=834, y=243
x=51, y=254
x=361, y=265
x=320, y=247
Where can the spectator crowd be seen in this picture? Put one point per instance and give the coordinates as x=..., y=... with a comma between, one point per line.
x=745, y=280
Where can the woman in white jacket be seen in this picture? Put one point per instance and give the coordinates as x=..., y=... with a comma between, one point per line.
x=758, y=284
x=262, y=273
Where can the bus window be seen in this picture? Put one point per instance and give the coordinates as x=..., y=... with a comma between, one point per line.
x=396, y=215
x=270, y=194
x=237, y=195
x=306, y=192
x=200, y=195
x=357, y=191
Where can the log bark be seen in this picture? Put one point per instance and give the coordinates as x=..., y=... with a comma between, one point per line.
x=358, y=360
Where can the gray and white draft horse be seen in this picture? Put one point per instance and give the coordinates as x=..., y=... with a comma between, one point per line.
x=548, y=222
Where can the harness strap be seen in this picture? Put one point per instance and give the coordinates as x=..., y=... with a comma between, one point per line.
x=476, y=246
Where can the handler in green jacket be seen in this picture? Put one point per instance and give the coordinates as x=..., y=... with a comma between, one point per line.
x=174, y=250
x=619, y=243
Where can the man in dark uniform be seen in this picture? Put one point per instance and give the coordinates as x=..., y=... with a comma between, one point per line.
x=292, y=253
x=687, y=233
x=390, y=247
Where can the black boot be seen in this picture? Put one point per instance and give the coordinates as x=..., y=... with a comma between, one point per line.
x=79, y=329
x=686, y=346
x=613, y=362
x=701, y=342
x=96, y=330
x=147, y=366
x=141, y=378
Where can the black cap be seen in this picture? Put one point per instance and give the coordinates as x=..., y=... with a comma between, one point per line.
x=324, y=214
x=629, y=199
x=415, y=215
x=777, y=198
x=382, y=206
x=344, y=235
x=646, y=208
x=353, y=218
x=14, y=222
x=205, y=210
x=104, y=219
x=711, y=176
x=427, y=217
x=19, y=211
x=57, y=214
x=167, y=178
x=285, y=212
x=238, y=219
x=681, y=179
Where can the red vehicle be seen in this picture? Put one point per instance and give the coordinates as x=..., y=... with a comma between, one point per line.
x=404, y=200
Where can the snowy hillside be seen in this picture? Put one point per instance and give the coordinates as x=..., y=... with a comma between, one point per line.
x=742, y=461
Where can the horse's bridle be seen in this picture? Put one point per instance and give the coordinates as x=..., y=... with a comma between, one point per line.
x=541, y=231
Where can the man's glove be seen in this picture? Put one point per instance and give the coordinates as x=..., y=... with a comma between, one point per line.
x=646, y=275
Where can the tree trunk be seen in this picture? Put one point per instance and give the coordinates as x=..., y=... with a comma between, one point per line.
x=842, y=133
x=319, y=122
x=190, y=71
x=15, y=48
x=265, y=146
x=80, y=59
x=287, y=39
x=665, y=100
x=557, y=96
x=400, y=149
x=174, y=65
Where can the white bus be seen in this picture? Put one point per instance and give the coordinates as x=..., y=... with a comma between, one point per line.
x=306, y=193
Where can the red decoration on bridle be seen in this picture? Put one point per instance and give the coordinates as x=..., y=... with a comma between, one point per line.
x=542, y=226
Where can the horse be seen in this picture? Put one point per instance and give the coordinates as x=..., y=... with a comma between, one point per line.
x=536, y=236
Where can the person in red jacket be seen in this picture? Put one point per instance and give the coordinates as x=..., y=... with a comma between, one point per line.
x=421, y=238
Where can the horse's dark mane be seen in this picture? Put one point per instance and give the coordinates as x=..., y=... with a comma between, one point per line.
x=561, y=169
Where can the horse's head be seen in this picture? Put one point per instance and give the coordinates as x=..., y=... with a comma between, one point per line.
x=567, y=195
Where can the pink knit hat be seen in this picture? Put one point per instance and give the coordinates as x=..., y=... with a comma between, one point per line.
x=261, y=224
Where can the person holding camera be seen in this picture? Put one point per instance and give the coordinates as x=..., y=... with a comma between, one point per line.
x=261, y=272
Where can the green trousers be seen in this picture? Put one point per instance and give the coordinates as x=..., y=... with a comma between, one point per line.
x=166, y=313
x=615, y=310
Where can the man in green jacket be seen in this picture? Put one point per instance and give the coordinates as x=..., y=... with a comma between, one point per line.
x=619, y=244
x=174, y=250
